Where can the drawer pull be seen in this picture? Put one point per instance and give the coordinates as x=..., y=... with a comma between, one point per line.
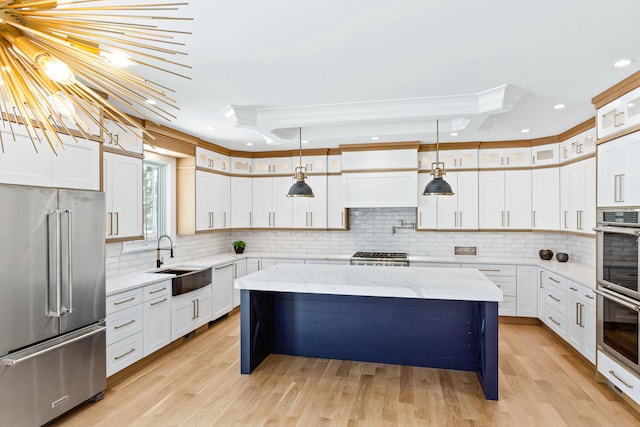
x=574, y=289
x=125, y=354
x=159, y=302
x=130, y=322
x=620, y=379
x=554, y=298
x=124, y=301
x=554, y=280
x=158, y=290
x=497, y=271
x=588, y=296
x=551, y=318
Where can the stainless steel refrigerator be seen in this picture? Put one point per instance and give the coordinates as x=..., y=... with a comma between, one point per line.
x=52, y=302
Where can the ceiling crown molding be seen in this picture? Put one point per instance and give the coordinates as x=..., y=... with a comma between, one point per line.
x=331, y=122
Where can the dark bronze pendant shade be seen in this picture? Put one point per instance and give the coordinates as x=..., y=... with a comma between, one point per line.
x=437, y=186
x=300, y=188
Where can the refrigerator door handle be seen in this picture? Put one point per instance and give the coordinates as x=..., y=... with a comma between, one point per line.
x=69, y=309
x=55, y=276
x=11, y=361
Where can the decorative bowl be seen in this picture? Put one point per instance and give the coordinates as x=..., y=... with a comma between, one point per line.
x=545, y=254
x=562, y=257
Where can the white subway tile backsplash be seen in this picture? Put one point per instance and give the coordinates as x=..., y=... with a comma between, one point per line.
x=371, y=230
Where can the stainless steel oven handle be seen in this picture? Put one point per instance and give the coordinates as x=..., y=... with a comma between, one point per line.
x=620, y=379
x=622, y=300
x=618, y=230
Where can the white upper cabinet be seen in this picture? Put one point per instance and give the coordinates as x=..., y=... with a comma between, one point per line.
x=123, y=137
x=311, y=212
x=427, y=205
x=577, y=196
x=75, y=166
x=313, y=164
x=212, y=201
x=505, y=199
x=580, y=145
x=545, y=198
x=452, y=159
x=122, y=185
x=208, y=159
x=336, y=211
x=380, y=189
x=241, y=195
x=334, y=163
x=273, y=165
x=548, y=154
x=504, y=157
x=240, y=165
x=271, y=206
x=459, y=211
x=619, y=114
x=618, y=171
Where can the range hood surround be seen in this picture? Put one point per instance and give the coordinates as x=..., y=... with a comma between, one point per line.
x=393, y=120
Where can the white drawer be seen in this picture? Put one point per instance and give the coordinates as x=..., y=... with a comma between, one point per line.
x=123, y=323
x=557, y=299
x=124, y=300
x=555, y=320
x=124, y=353
x=583, y=293
x=157, y=290
x=506, y=284
x=626, y=381
x=507, y=307
x=494, y=269
x=554, y=280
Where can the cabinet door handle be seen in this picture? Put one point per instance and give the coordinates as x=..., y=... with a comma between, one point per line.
x=250, y=219
x=541, y=281
x=507, y=160
x=533, y=218
x=117, y=215
x=420, y=218
x=553, y=320
x=501, y=161
x=124, y=301
x=130, y=322
x=225, y=219
x=193, y=309
x=502, y=214
x=508, y=218
x=578, y=314
x=124, y=354
x=581, y=316
x=159, y=302
x=565, y=218
x=460, y=218
x=620, y=379
x=274, y=219
x=554, y=298
x=618, y=188
x=533, y=159
x=110, y=223
x=311, y=219
x=455, y=219
x=342, y=218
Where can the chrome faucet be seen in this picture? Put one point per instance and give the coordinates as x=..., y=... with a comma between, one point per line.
x=158, y=260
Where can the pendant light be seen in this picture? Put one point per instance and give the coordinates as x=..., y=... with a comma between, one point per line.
x=300, y=188
x=437, y=186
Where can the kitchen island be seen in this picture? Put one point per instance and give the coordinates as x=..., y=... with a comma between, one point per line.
x=419, y=316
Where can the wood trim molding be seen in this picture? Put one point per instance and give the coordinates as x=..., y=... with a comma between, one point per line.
x=379, y=170
x=122, y=152
x=617, y=90
x=217, y=172
x=577, y=159
x=624, y=132
x=381, y=146
x=446, y=145
x=159, y=130
x=578, y=129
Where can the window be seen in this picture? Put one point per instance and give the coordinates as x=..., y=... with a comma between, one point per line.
x=158, y=201
x=153, y=200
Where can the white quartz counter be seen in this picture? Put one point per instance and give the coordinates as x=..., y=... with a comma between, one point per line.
x=464, y=284
x=582, y=273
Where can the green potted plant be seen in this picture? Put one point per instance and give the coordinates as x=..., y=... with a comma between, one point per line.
x=239, y=246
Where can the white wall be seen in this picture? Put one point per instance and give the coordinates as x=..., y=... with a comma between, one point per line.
x=370, y=231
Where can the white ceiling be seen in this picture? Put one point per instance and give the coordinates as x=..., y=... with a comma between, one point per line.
x=346, y=71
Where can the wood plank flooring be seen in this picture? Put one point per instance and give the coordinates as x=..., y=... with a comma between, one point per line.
x=199, y=384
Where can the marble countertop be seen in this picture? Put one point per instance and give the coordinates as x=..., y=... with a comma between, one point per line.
x=400, y=282
x=582, y=273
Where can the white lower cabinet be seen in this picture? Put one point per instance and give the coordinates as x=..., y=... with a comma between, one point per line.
x=527, y=291
x=125, y=340
x=222, y=288
x=157, y=316
x=505, y=278
x=190, y=311
x=239, y=270
x=555, y=310
x=253, y=265
x=582, y=320
x=624, y=379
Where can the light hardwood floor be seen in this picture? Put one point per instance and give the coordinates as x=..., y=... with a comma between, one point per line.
x=199, y=384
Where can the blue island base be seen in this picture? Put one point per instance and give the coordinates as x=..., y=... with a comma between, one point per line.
x=444, y=334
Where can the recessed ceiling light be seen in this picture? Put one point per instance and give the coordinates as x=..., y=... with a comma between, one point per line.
x=249, y=144
x=525, y=131
x=151, y=102
x=622, y=63
x=559, y=106
x=374, y=138
x=454, y=134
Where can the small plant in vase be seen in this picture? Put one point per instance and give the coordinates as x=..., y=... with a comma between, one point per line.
x=238, y=246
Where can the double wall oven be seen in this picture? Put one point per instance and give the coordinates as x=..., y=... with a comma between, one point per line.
x=618, y=318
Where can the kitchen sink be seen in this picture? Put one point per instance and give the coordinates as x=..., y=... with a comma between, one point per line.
x=187, y=279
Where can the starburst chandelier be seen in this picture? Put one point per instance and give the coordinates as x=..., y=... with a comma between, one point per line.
x=62, y=61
